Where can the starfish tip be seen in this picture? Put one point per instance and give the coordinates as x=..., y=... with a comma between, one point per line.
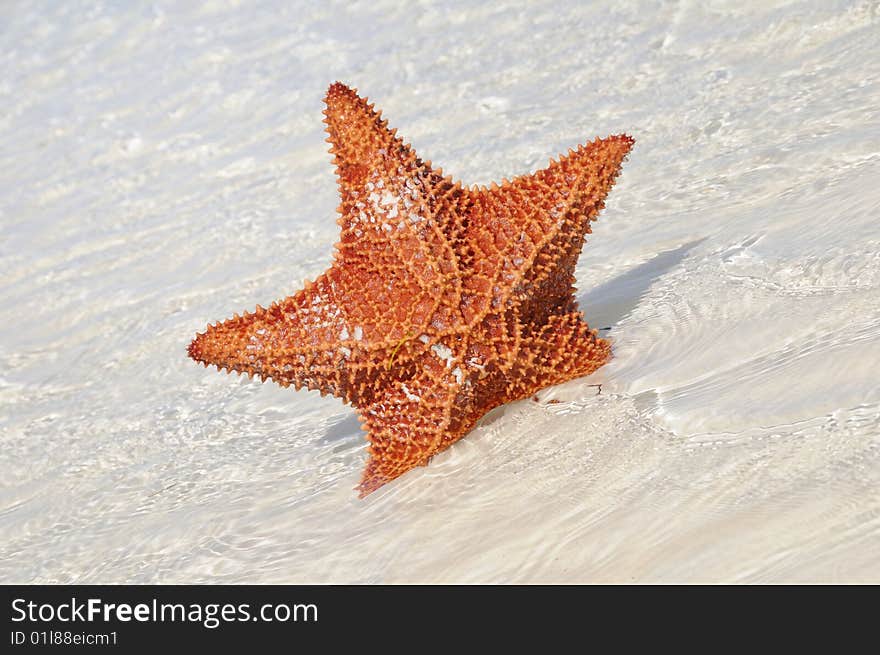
x=340, y=89
x=194, y=349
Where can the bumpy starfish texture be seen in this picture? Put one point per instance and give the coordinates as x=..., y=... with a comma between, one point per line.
x=442, y=302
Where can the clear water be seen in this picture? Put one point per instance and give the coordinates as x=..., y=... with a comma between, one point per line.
x=162, y=165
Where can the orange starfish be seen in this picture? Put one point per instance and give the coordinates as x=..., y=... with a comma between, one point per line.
x=442, y=302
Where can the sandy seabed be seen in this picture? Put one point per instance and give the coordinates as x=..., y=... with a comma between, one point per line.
x=164, y=166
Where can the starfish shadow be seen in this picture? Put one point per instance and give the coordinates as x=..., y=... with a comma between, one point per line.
x=606, y=305
x=348, y=429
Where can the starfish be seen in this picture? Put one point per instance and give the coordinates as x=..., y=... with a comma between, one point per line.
x=443, y=301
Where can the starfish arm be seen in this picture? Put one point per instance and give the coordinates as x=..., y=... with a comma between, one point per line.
x=302, y=341
x=366, y=152
x=563, y=349
x=533, y=227
x=311, y=340
x=399, y=273
x=414, y=420
x=362, y=144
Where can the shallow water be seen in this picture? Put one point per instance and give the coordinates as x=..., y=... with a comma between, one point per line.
x=165, y=167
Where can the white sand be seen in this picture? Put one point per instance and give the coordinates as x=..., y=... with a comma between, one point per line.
x=161, y=168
